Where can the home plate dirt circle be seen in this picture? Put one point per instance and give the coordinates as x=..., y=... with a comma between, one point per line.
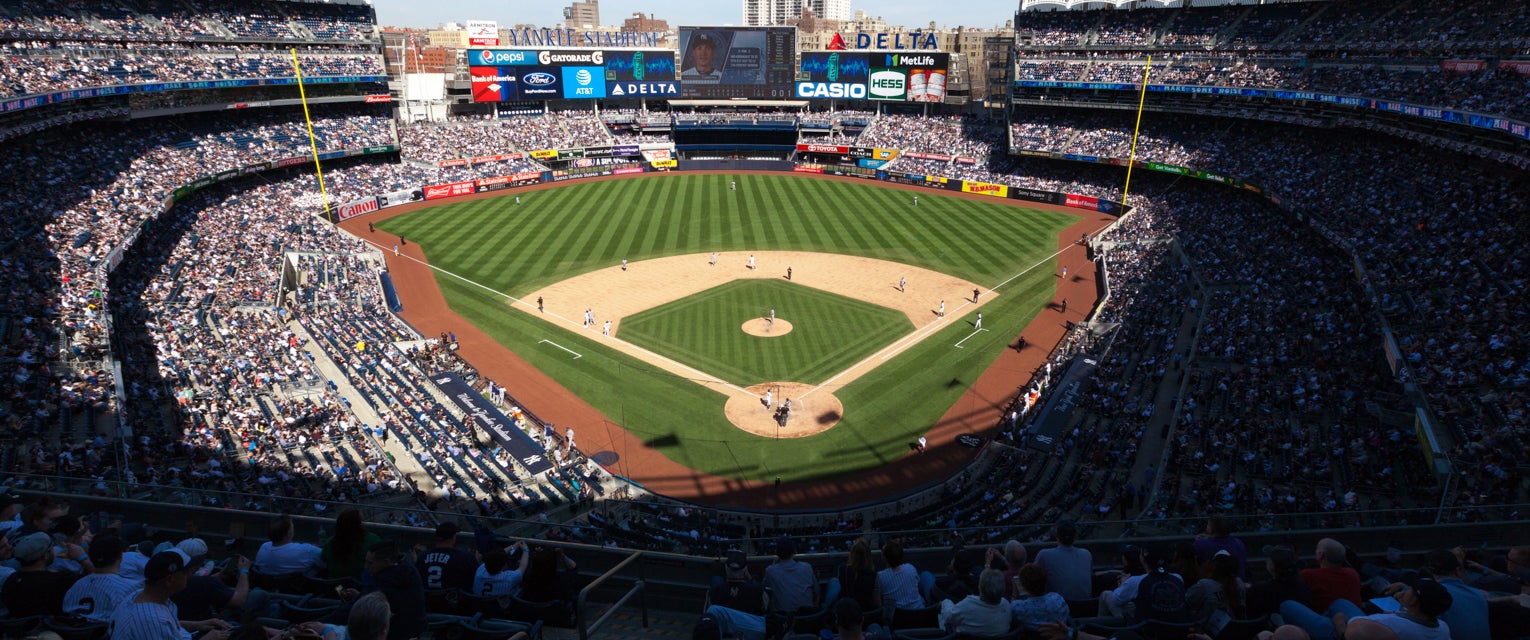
x=762, y=328
x=811, y=415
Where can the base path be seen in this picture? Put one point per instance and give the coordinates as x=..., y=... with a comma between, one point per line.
x=976, y=411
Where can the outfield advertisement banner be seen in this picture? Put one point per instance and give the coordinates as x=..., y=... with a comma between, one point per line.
x=356, y=208
x=1082, y=202
x=396, y=198
x=451, y=190
x=823, y=148
x=459, y=162
x=485, y=416
x=504, y=157
x=986, y=189
x=545, y=154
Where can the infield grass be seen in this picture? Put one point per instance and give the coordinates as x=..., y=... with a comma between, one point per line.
x=558, y=233
x=829, y=332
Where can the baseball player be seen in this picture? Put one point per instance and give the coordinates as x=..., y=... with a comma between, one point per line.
x=570, y=438
x=751, y=262
x=902, y=284
x=916, y=201
x=713, y=263
x=395, y=248
x=589, y=317
x=772, y=316
x=733, y=185
x=624, y=264
x=974, y=295
x=979, y=324
x=942, y=308
x=607, y=330
x=517, y=199
x=1065, y=271
x=539, y=303
x=923, y=444
x=767, y=398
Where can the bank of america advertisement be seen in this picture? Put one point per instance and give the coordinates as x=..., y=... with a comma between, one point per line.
x=502, y=75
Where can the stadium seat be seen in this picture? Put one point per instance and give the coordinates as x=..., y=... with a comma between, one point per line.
x=553, y=613
x=304, y=610
x=443, y=601
x=1246, y=628
x=20, y=627
x=931, y=633
x=481, y=628
x=489, y=606
x=924, y=618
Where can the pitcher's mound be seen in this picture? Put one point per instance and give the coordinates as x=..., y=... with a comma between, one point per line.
x=811, y=415
x=762, y=328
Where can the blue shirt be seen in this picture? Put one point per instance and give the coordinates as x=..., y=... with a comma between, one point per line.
x=1069, y=571
x=1468, y=612
x=900, y=586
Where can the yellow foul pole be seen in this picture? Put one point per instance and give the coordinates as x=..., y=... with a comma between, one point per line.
x=1131, y=160
x=314, y=144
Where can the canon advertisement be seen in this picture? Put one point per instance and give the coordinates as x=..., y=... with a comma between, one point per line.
x=500, y=75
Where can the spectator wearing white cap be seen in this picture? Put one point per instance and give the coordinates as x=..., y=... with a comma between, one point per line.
x=208, y=595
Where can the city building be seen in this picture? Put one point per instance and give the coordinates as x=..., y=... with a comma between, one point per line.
x=764, y=13
x=641, y=22
x=582, y=14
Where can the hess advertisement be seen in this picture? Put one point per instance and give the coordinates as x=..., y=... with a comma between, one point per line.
x=914, y=77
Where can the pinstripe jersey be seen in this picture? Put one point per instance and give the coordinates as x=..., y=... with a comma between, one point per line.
x=96, y=596
x=147, y=621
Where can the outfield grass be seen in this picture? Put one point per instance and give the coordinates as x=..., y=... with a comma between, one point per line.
x=559, y=233
x=829, y=332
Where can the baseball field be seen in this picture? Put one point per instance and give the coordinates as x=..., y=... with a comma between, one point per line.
x=704, y=261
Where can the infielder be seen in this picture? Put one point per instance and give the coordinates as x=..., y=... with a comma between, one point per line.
x=942, y=312
x=713, y=263
x=902, y=284
x=751, y=262
x=517, y=199
x=733, y=185
x=624, y=264
x=607, y=330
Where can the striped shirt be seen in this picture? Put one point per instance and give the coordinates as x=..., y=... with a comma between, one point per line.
x=95, y=597
x=147, y=621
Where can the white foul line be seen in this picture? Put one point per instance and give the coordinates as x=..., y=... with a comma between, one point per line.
x=576, y=355
x=969, y=336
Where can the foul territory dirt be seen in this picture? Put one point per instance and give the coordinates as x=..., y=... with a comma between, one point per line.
x=976, y=411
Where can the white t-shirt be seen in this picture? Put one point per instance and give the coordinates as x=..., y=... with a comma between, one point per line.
x=287, y=559
x=1409, y=630
x=504, y=583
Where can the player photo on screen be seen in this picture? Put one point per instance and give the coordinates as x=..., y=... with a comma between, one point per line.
x=704, y=55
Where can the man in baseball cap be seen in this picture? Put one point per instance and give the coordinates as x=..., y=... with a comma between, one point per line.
x=1422, y=600
x=33, y=589
x=151, y=615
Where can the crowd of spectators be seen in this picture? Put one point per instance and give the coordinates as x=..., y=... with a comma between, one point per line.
x=48, y=47
x=1365, y=50
x=477, y=137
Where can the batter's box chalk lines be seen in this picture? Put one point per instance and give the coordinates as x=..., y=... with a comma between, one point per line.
x=577, y=355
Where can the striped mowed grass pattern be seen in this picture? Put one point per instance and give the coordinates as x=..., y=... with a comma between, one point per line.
x=829, y=332
x=558, y=233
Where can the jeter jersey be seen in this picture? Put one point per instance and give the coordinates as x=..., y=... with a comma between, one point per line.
x=447, y=569
x=95, y=597
x=147, y=621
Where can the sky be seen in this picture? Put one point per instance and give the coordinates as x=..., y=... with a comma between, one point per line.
x=549, y=13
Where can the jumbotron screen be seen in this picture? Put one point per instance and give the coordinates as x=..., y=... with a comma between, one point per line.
x=737, y=62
